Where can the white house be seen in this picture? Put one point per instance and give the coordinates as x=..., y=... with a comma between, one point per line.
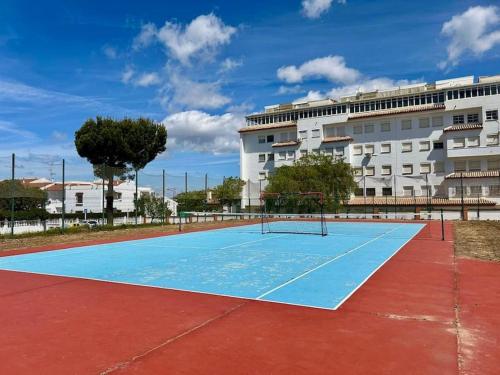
x=421, y=140
x=83, y=195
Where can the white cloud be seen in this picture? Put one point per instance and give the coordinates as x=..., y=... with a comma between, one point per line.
x=476, y=30
x=110, y=52
x=59, y=136
x=202, y=37
x=332, y=68
x=229, y=64
x=285, y=90
x=193, y=95
x=202, y=132
x=9, y=129
x=146, y=37
x=315, y=8
x=147, y=79
x=312, y=95
x=127, y=74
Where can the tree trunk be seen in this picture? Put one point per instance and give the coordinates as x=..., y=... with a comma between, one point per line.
x=109, y=196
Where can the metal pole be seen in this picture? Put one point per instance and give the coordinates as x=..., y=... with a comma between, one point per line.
x=462, y=194
x=364, y=193
x=395, y=198
x=442, y=225
x=427, y=191
x=103, y=193
x=478, y=195
x=163, y=197
x=136, y=200
x=248, y=184
x=185, y=182
x=12, y=198
x=63, y=194
x=206, y=196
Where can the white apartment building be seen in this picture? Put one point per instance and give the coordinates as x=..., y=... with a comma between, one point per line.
x=422, y=140
x=83, y=195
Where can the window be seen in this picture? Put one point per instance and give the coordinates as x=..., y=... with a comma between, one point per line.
x=357, y=150
x=270, y=157
x=369, y=128
x=281, y=155
x=369, y=149
x=358, y=192
x=341, y=131
x=438, y=167
x=385, y=148
x=370, y=171
x=475, y=190
x=423, y=123
x=270, y=138
x=408, y=191
x=386, y=170
x=303, y=134
x=315, y=151
x=358, y=171
x=460, y=166
x=370, y=192
x=386, y=191
x=303, y=153
x=358, y=129
x=458, y=142
x=407, y=168
x=315, y=133
x=262, y=158
x=437, y=121
x=424, y=145
x=385, y=127
x=290, y=155
x=79, y=199
x=494, y=165
x=328, y=151
x=438, y=145
x=494, y=190
x=426, y=190
x=262, y=139
x=473, y=118
x=339, y=151
x=492, y=115
x=474, y=165
x=473, y=141
x=284, y=137
x=492, y=139
x=425, y=168
x=458, y=119
x=406, y=147
x=406, y=124
x=262, y=175
x=458, y=190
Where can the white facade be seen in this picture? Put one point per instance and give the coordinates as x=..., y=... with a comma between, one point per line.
x=409, y=141
x=81, y=195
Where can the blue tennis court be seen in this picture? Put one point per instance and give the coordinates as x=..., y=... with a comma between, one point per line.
x=297, y=269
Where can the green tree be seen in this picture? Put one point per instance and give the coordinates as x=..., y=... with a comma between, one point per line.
x=315, y=173
x=29, y=202
x=229, y=191
x=191, y=201
x=117, y=147
x=151, y=206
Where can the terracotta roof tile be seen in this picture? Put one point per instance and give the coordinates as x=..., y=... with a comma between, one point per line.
x=280, y=125
x=285, y=144
x=337, y=139
x=461, y=127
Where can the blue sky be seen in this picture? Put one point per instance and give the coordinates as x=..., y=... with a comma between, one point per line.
x=200, y=66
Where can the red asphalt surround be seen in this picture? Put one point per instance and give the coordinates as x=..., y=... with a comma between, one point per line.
x=402, y=320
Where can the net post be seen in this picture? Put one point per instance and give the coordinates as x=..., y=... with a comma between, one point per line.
x=63, y=196
x=442, y=225
x=12, y=199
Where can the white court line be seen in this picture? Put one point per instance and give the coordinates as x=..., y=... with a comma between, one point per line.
x=247, y=242
x=326, y=263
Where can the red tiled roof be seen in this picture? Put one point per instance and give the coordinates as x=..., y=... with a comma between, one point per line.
x=285, y=144
x=419, y=201
x=461, y=127
x=280, y=125
x=337, y=139
x=477, y=174
x=395, y=111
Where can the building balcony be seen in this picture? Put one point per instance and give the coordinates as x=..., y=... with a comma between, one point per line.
x=286, y=144
x=336, y=139
x=473, y=174
x=468, y=152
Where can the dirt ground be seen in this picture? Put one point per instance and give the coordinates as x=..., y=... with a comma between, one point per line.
x=478, y=239
x=7, y=244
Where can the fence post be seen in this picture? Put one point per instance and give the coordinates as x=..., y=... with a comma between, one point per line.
x=63, y=195
x=12, y=198
x=136, y=200
x=185, y=182
x=103, y=193
x=249, y=201
x=163, y=197
x=462, y=195
x=478, y=203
